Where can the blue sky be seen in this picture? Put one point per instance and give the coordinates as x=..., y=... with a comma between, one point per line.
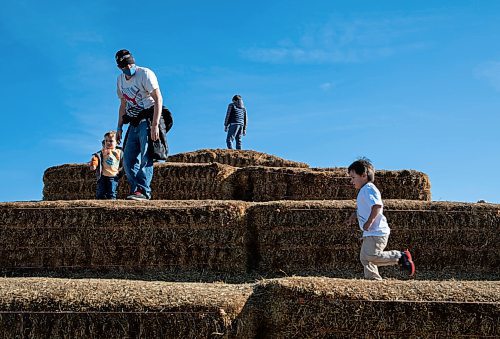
x=409, y=84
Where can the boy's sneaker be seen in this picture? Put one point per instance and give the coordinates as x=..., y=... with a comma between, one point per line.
x=406, y=262
x=137, y=195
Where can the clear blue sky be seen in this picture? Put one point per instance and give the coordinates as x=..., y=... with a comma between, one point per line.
x=409, y=84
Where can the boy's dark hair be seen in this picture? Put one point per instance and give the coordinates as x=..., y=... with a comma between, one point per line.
x=361, y=166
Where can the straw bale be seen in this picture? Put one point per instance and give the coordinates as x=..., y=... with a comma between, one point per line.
x=271, y=183
x=297, y=237
x=216, y=181
x=180, y=181
x=92, y=308
x=236, y=158
x=322, y=307
x=124, y=235
x=170, y=181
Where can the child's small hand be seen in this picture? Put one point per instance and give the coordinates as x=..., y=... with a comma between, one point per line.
x=93, y=163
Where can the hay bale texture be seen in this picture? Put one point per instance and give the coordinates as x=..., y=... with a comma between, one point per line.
x=100, y=308
x=310, y=237
x=236, y=158
x=336, y=308
x=278, y=308
x=123, y=235
x=184, y=181
x=171, y=181
x=271, y=183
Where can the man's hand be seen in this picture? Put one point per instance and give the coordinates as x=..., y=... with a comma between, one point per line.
x=226, y=128
x=118, y=137
x=366, y=226
x=155, y=132
x=244, y=132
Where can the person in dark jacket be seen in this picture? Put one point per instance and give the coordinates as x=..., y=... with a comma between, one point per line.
x=235, y=123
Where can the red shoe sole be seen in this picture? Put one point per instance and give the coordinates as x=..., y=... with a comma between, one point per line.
x=412, y=265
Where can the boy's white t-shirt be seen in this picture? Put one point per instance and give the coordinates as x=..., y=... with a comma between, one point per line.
x=368, y=196
x=137, y=90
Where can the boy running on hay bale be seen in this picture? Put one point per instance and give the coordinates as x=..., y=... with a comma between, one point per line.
x=373, y=223
x=108, y=163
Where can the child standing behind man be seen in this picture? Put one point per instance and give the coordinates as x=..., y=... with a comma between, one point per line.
x=373, y=224
x=108, y=163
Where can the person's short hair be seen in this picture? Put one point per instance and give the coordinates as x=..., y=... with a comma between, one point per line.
x=361, y=166
x=111, y=134
x=237, y=97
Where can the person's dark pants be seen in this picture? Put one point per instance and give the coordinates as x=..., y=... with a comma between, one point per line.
x=107, y=187
x=234, y=132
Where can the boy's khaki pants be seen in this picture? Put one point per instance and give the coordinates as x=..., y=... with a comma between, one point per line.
x=372, y=255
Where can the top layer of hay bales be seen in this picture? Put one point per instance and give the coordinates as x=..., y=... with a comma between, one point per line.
x=236, y=158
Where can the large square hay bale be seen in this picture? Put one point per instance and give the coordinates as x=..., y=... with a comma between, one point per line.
x=336, y=308
x=127, y=236
x=91, y=308
x=446, y=239
x=170, y=181
x=272, y=183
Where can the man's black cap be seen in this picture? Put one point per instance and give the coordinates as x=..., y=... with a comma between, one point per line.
x=123, y=58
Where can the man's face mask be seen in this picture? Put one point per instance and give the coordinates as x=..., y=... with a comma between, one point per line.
x=129, y=71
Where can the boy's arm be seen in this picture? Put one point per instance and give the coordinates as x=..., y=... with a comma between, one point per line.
x=375, y=211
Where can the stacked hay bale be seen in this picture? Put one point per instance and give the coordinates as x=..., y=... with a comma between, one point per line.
x=116, y=235
x=171, y=181
x=272, y=183
x=305, y=234
x=240, y=158
x=311, y=237
x=99, y=308
x=335, y=308
x=256, y=182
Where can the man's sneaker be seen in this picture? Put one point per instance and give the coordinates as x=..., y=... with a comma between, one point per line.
x=406, y=262
x=137, y=195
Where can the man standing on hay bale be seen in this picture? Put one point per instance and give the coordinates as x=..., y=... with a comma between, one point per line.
x=140, y=105
x=373, y=223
